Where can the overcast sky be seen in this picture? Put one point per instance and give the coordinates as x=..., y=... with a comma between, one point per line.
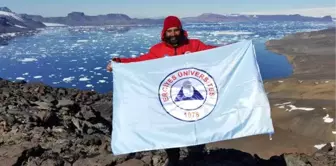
x=181, y=8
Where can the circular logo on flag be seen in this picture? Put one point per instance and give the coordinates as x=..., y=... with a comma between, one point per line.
x=188, y=94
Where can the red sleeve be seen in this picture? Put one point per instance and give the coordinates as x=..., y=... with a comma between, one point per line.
x=148, y=56
x=203, y=46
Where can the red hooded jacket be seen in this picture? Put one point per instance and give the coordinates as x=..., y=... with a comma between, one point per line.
x=163, y=49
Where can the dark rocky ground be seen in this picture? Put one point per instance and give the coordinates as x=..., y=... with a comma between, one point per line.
x=43, y=125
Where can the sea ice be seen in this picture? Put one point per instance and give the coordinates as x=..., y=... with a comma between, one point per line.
x=84, y=79
x=89, y=85
x=28, y=60
x=68, y=79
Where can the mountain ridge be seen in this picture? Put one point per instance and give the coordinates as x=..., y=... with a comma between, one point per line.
x=80, y=18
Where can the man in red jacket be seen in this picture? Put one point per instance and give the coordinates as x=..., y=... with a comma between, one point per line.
x=174, y=42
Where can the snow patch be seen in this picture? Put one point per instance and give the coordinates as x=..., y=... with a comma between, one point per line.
x=101, y=81
x=15, y=16
x=24, y=74
x=89, y=85
x=327, y=119
x=293, y=107
x=20, y=78
x=19, y=26
x=97, y=68
x=283, y=104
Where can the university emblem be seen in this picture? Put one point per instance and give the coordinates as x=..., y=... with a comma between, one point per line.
x=188, y=94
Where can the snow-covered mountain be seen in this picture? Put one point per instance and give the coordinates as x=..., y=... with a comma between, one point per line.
x=12, y=22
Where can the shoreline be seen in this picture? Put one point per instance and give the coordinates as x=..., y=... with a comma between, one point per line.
x=311, y=87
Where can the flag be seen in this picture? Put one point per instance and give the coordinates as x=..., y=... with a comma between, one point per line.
x=196, y=98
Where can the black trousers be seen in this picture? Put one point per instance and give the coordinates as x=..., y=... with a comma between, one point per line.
x=193, y=152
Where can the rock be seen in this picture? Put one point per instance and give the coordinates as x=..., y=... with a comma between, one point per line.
x=48, y=98
x=147, y=159
x=105, y=110
x=133, y=162
x=10, y=119
x=318, y=154
x=331, y=153
x=43, y=105
x=78, y=124
x=53, y=162
x=92, y=140
x=326, y=148
x=101, y=160
x=48, y=118
x=61, y=92
x=87, y=113
x=292, y=160
x=156, y=160
x=18, y=154
x=65, y=103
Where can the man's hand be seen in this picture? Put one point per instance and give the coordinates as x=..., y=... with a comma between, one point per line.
x=109, y=65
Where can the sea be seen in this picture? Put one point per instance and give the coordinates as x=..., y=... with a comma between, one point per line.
x=76, y=57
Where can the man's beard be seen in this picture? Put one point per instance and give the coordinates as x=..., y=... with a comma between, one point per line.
x=174, y=40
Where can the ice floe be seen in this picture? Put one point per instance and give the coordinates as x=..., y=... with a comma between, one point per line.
x=27, y=60
x=101, y=81
x=84, y=79
x=37, y=77
x=231, y=33
x=68, y=79
x=89, y=85
x=20, y=78
x=82, y=41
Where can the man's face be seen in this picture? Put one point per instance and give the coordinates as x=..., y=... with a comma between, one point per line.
x=173, y=35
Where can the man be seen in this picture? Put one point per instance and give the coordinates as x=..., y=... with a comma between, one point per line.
x=174, y=42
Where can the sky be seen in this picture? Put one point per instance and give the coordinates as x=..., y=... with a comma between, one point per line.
x=181, y=8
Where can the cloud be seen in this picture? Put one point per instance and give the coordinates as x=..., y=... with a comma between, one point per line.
x=316, y=12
